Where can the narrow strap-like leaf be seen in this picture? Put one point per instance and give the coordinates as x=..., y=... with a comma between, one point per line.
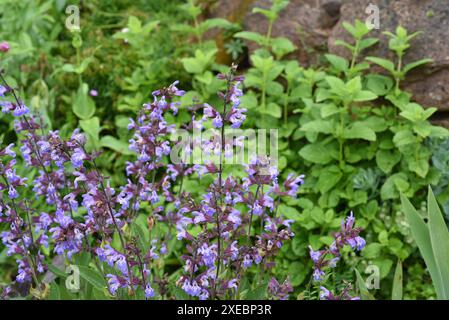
x=440, y=241
x=421, y=235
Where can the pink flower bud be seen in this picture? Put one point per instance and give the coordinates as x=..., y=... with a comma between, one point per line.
x=4, y=46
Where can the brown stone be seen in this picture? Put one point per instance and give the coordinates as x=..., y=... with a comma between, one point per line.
x=314, y=25
x=307, y=23
x=430, y=83
x=231, y=10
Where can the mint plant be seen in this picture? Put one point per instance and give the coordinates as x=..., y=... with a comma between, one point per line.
x=353, y=143
x=399, y=43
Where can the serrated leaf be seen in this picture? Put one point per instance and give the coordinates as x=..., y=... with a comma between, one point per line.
x=364, y=95
x=316, y=153
x=359, y=131
x=387, y=159
x=116, y=145
x=339, y=63
x=329, y=177
x=404, y=137
x=321, y=126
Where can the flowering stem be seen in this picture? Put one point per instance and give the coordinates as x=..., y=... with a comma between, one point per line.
x=111, y=213
x=252, y=211
x=220, y=169
x=142, y=272
x=28, y=256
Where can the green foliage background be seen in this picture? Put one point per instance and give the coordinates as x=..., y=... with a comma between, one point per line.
x=359, y=139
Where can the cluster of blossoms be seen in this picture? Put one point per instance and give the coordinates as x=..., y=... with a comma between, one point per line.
x=233, y=226
x=19, y=239
x=329, y=257
x=229, y=241
x=67, y=178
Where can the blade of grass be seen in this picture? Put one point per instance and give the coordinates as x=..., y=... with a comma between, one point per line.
x=421, y=234
x=396, y=293
x=364, y=293
x=439, y=236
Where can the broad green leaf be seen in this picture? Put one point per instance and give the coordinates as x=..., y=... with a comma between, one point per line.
x=394, y=184
x=134, y=24
x=329, y=109
x=337, y=85
x=366, y=43
x=419, y=164
x=116, y=145
x=354, y=86
x=55, y=293
x=321, y=126
x=272, y=109
x=387, y=159
x=359, y=131
x=282, y=46
x=93, y=277
x=92, y=128
x=372, y=250
x=316, y=153
x=422, y=128
x=83, y=105
x=339, y=63
x=329, y=177
x=298, y=272
x=439, y=132
x=179, y=293
x=344, y=44
x=215, y=23
x=259, y=293
x=364, y=95
x=377, y=124
x=379, y=84
x=252, y=36
x=404, y=137
x=288, y=212
x=384, y=63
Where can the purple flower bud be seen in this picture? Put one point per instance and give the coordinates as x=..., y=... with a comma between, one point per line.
x=217, y=122
x=3, y=90
x=20, y=110
x=12, y=192
x=149, y=292
x=78, y=157
x=4, y=46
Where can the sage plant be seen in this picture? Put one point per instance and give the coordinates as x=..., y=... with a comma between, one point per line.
x=230, y=242
x=328, y=258
x=232, y=232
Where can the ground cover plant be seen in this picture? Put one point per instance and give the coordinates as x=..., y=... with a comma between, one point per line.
x=101, y=197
